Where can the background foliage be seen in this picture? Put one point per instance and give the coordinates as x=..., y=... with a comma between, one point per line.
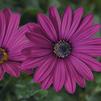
x=23, y=89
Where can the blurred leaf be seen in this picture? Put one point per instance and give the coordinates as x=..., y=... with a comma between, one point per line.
x=24, y=87
x=29, y=15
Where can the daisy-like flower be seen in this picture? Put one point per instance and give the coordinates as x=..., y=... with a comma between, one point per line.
x=63, y=49
x=12, y=41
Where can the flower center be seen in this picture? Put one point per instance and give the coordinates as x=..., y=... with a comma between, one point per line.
x=3, y=56
x=62, y=49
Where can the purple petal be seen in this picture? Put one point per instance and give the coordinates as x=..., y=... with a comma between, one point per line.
x=17, y=43
x=32, y=52
x=87, y=33
x=49, y=70
x=94, y=41
x=75, y=75
x=11, y=28
x=91, y=62
x=38, y=40
x=16, y=56
x=7, y=12
x=55, y=18
x=45, y=68
x=12, y=68
x=66, y=22
x=32, y=63
x=88, y=47
x=48, y=27
x=85, y=23
x=70, y=83
x=36, y=29
x=82, y=68
x=76, y=21
x=47, y=82
x=91, y=50
x=2, y=27
x=18, y=39
x=59, y=75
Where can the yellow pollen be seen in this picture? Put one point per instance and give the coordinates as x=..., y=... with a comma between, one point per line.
x=3, y=56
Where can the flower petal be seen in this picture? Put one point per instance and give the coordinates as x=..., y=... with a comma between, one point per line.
x=11, y=28
x=48, y=27
x=70, y=83
x=32, y=63
x=76, y=21
x=59, y=75
x=47, y=82
x=2, y=27
x=91, y=50
x=12, y=68
x=17, y=43
x=18, y=40
x=55, y=18
x=87, y=33
x=44, y=70
x=35, y=53
x=66, y=22
x=36, y=29
x=82, y=68
x=75, y=75
x=38, y=40
x=91, y=62
x=94, y=41
x=50, y=69
x=16, y=56
x=85, y=23
x=7, y=12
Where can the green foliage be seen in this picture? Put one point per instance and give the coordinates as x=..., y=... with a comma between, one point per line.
x=23, y=88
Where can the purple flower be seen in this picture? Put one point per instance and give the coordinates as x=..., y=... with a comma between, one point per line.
x=63, y=49
x=12, y=41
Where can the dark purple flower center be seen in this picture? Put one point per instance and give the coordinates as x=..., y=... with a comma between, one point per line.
x=3, y=56
x=62, y=49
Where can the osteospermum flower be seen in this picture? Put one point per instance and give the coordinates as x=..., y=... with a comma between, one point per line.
x=63, y=49
x=12, y=41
